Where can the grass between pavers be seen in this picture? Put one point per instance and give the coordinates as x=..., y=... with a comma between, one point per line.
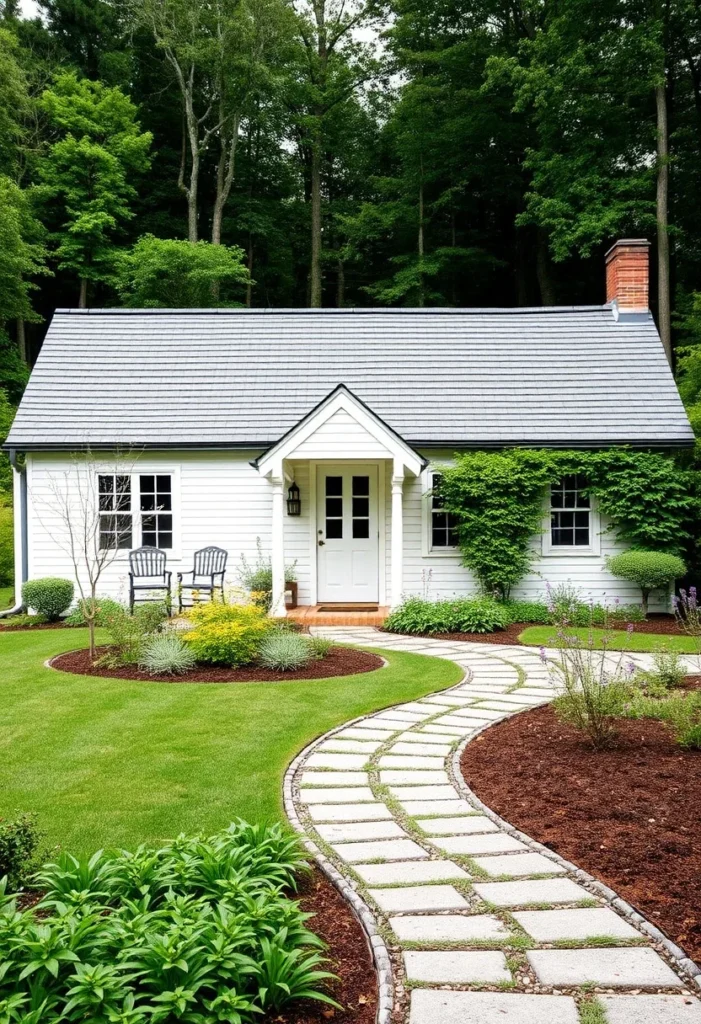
x=545, y=636
x=7, y=597
x=119, y=762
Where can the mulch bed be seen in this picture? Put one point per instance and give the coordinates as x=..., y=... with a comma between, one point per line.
x=349, y=957
x=631, y=816
x=340, y=661
x=656, y=623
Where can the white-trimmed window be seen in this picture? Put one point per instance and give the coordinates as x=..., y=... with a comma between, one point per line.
x=116, y=526
x=570, y=514
x=441, y=526
x=136, y=509
x=156, y=508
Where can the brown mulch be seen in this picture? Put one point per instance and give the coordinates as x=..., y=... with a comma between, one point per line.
x=349, y=957
x=340, y=661
x=655, y=623
x=631, y=816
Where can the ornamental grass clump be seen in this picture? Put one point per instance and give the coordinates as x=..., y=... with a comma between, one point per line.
x=200, y=929
x=166, y=654
x=226, y=634
x=649, y=570
x=285, y=652
x=48, y=596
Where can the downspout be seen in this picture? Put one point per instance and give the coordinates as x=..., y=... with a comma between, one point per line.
x=19, y=495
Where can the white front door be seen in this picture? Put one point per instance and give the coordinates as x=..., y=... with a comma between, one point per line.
x=347, y=534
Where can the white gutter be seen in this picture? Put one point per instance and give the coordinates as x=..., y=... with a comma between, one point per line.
x=19, y=495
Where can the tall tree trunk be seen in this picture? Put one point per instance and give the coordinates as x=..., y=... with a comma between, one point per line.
x=545, y=282
x=191, y=140
x=83, y=299
x=22, y=342
x=249, y=264
x=664, y=311
x=315, y=270
x=420, y=239
x=225, y=173
x=340, y=284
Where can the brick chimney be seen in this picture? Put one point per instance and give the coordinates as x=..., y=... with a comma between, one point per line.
x=628, y=275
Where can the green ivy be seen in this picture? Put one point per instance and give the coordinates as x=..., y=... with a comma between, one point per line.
x=497, y=498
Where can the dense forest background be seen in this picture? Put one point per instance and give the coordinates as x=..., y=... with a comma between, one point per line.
x=345, y=152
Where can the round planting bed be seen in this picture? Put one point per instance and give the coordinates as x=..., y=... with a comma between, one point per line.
x=340, y=661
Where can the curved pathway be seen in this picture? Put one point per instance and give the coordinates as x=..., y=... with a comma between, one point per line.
x=471, y=922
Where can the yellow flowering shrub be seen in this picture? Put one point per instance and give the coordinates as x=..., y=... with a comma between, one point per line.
x=226, y=634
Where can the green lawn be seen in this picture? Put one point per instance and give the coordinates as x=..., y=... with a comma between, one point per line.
x=7, y=597
x=115, y=762
x=544, y=636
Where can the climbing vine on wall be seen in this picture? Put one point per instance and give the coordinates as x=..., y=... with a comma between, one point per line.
x=497, y=498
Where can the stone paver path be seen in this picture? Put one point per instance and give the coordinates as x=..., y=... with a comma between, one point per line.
x=483, y=926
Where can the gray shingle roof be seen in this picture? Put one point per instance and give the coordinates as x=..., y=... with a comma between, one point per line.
x=455, y=377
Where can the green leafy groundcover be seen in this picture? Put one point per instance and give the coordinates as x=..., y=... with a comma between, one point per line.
x=618, y=640
x=497, y=498
x=200, y=929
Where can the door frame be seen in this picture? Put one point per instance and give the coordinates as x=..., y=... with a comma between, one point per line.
x=314, y=465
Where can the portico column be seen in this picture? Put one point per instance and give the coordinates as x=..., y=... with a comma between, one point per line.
x=397, y=534
x=277, y=548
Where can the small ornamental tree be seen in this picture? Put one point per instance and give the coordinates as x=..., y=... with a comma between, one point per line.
x=650, y=570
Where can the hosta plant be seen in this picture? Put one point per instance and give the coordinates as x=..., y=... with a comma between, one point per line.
x=199, y=930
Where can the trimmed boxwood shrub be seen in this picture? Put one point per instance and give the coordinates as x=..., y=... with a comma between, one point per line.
x=650, y=570
x=460, y=615
x=50, y=596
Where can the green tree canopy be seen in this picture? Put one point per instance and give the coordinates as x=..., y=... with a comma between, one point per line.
x=87, y=174
x=174, y=273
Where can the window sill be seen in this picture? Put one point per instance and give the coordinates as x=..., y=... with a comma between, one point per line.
x=566, y=552
x=441, y=553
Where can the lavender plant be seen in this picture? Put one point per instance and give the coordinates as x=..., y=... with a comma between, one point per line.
x=593, y=685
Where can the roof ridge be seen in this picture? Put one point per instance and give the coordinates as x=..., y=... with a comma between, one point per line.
x=334, y=311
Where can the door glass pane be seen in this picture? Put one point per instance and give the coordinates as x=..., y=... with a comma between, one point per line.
x=334, y=529
x=334, y=507
x=361, y=507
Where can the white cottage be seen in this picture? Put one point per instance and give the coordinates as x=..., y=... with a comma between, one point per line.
x=206, y=419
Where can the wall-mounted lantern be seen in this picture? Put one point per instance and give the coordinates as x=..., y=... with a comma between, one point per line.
x=294, y=505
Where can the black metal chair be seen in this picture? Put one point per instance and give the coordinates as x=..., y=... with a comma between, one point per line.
x=149, y=564
x=210, y=566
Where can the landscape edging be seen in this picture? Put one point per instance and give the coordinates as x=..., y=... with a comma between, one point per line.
x=685, y=964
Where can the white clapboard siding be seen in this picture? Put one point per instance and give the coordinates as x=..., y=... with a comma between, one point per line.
x=218, y=498
x=341, y=437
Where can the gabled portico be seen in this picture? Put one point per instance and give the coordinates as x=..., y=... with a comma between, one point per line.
x=355, y=460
